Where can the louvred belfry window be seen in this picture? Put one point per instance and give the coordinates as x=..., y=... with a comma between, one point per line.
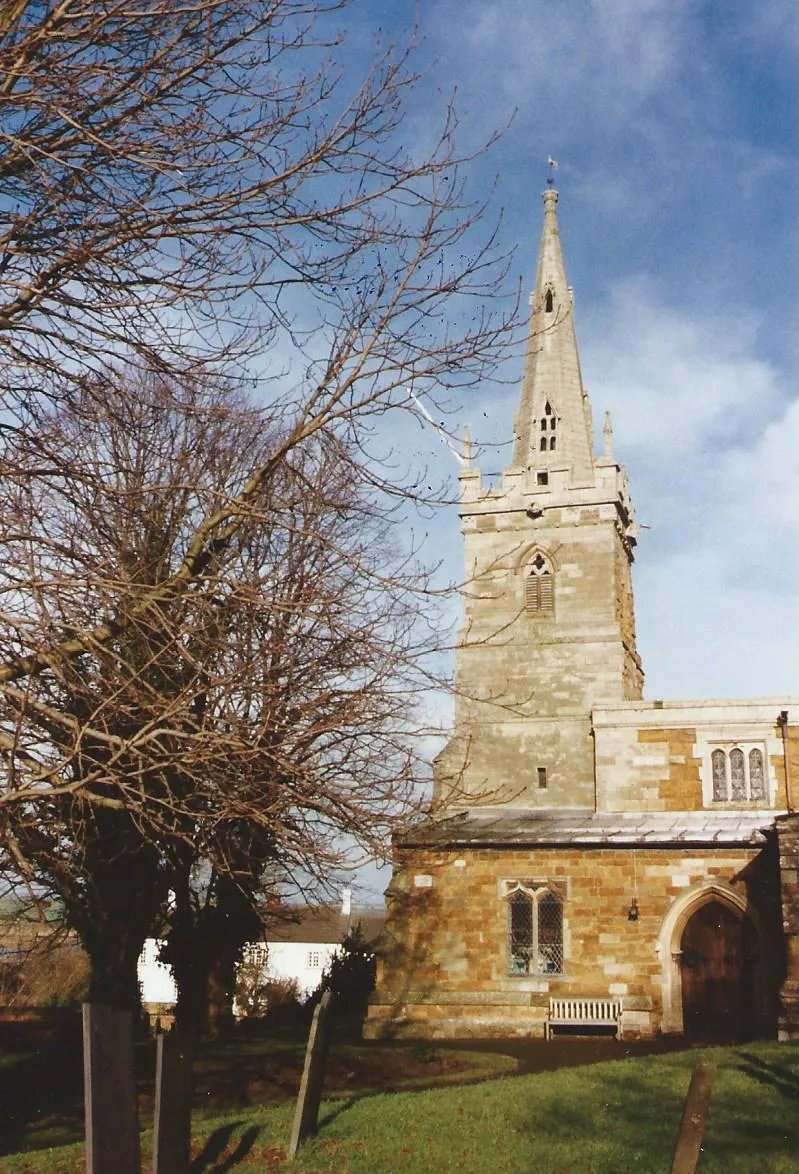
x=539, y=588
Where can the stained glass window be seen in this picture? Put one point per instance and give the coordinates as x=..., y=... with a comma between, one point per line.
x=757, y=779
x=719, y=761
x=737, y=774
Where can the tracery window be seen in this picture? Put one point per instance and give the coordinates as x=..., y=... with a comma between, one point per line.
x=539, y=588
x=535, y=928
x=738, y=775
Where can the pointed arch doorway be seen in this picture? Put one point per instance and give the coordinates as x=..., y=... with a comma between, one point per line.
x=717, y=964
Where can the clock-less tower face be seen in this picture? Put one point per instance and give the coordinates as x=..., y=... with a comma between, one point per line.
x=549, y=628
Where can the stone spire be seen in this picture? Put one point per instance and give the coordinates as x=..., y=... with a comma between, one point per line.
x=553, y=425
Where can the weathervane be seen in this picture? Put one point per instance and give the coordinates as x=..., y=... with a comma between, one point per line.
x=552, y=164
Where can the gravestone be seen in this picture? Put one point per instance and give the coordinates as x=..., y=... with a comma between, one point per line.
x=694, y=1117
x=112, y=1118
x=172, y=1115
x=313, y=1075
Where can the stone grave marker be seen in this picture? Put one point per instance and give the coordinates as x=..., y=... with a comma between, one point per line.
x=694, y=1117
x=172, y=1115
x=112, y=1118
x=313, y=1075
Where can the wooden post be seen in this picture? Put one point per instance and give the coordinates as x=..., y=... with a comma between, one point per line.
x=172, y=1116
x=313, y=1075
x=112, y=1117
x=694, y=1116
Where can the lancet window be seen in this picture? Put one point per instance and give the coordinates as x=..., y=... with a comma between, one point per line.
x=548, y=424
x=535, y=928
x=539, y=588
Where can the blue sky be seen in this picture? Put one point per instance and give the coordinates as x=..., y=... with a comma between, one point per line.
x=673, y=123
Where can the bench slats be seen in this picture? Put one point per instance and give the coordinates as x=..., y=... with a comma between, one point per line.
x=596, y=1012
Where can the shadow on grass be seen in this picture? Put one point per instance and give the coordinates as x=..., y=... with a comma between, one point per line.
x=212, y=1159
x=784, y=1080
x=337, y=1110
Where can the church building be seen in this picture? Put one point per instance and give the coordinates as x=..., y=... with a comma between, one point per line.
x=585, y=844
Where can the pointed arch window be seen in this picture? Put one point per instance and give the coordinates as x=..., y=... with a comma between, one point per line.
x=539, y=588
x=549, y=302
x=535, y=928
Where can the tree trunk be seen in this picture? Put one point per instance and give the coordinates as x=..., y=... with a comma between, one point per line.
x=113, y=961
x=221, y=984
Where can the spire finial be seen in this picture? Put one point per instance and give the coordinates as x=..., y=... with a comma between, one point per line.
x=552, y=164
x=607, y=437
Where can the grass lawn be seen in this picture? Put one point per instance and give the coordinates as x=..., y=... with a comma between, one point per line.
x=616, y=1117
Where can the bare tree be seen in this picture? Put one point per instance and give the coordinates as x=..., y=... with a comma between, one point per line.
x=199, y=183
x=252, y=722
x=171, y=173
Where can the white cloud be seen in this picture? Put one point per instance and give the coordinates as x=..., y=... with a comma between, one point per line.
x=710, y=437
x=608, y=56
x=677, y=381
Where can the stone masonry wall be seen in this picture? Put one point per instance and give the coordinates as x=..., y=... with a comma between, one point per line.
x=652, y=766
x=445, y=971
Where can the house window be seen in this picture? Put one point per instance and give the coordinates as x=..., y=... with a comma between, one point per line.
x=314, y=960
x=539, y=588
x=738, y=774
x=535, y=929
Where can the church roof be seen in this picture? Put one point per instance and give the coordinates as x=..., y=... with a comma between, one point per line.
x=508, y=827
x=324, y=923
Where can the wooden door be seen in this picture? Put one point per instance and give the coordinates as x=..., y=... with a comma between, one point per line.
x=717, y=989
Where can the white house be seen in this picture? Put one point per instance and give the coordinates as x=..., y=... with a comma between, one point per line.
x=300, y=942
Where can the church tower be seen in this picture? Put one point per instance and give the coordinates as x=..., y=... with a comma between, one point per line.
x=592, y=855
x=549, y=626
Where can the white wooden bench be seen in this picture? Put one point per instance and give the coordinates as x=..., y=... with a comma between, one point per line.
x=584, y=1013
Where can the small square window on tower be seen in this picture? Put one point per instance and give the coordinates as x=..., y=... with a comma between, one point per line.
x=542, y=478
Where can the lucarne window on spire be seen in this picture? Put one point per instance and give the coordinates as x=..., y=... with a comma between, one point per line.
x=548, y=302
x=548, y=421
